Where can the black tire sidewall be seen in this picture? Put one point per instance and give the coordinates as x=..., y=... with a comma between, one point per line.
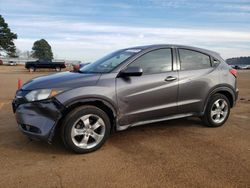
x=72, y=117
x=215, y=97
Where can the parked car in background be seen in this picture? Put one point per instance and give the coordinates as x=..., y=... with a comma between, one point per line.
x=12, y=63
x=129, y=87
x=76, y=67
x=48, y=64
x=244, y=66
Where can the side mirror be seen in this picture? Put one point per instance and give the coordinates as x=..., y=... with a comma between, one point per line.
x=131, y=71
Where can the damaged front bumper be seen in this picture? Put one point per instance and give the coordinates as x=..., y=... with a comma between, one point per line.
x=38, y=119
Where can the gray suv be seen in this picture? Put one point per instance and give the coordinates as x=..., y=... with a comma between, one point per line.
x=126, y=88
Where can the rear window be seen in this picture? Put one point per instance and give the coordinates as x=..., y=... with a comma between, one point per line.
x=193, y=60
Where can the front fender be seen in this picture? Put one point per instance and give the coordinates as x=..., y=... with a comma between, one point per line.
x=106, y=95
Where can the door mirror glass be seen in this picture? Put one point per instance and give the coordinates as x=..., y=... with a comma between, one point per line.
x=131, y=71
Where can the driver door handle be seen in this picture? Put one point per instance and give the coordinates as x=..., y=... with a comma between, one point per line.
x=170, y=78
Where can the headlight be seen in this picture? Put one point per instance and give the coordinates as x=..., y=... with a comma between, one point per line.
x=41, y=94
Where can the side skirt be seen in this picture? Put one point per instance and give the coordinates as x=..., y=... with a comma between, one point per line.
x=124, y=127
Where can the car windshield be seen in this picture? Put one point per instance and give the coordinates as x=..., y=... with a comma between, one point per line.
x=109, y=62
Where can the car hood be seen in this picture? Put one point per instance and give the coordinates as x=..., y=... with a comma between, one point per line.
x=64, y=80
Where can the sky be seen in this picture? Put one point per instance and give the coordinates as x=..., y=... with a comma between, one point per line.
x=88, y=29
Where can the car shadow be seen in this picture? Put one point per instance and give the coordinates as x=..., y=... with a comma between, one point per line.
x=168, y=128
x=147, y=142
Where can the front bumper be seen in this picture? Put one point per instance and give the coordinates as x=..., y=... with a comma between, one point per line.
x=38, y=120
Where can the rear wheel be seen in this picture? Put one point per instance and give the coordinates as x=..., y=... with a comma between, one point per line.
x=217, y=111
x=85, y=129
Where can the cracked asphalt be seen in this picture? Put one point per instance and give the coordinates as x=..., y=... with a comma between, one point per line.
x=178, y=153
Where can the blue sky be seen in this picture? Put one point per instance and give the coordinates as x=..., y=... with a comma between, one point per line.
x=85, y=30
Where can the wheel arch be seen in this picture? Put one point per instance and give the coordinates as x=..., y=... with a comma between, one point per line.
x=104, y=105
x=226, y=90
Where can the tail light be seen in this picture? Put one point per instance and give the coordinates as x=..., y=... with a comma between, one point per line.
x=233, y=72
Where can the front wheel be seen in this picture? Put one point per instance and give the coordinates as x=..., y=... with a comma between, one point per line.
x=217, y=111
x=85, y=129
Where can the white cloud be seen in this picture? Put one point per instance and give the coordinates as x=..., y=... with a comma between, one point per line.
x=87, y=41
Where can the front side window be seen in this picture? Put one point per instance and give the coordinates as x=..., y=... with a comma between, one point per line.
x=157, y=61
x=193, y=60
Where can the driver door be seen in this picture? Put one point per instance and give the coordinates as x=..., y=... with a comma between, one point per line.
x=151, y=96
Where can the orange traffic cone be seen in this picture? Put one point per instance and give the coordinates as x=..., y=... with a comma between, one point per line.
x=19, y=83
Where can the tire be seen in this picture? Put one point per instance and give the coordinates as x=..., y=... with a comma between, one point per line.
x=215, y=114
x=32, y=69
x=58, y=69
x=78, y=135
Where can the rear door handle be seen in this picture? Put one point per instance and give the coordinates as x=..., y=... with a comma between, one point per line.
x=170, y=78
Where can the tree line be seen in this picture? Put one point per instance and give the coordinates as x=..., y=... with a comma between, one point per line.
x=41, y=48
x=238, y=60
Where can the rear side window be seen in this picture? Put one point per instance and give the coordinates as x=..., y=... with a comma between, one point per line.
x=193, y=60
x=157, y=61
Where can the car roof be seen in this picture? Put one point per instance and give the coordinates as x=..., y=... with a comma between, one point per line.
x=155, y=46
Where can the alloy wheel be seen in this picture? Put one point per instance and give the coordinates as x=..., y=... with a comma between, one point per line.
x=219, y=111
x=88, y=131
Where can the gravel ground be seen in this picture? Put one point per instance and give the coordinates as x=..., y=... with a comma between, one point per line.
x=178, y=153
